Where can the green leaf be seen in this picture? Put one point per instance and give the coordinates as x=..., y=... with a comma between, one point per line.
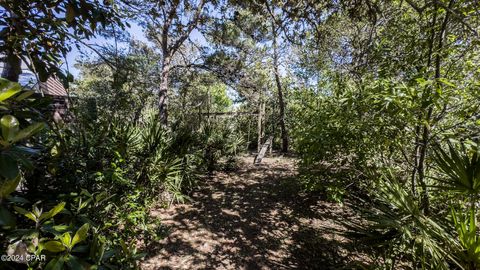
x=446, y=82
x=55, y=151
x=60, y=228
x=28, y=131
x=54, y=246
x=80, y=249
x=8, y=89
x=55, y=229
x=66, y=239
x=124, y=246
x=9, y=185
x=18, y=200
x=37, y=211
x=56, y=264
x=24, y=95
x=10, y=127
x=81, y=234
x=139, y=256
x=7, y=220
x=97, y=249
x=8, y=167
x=422, y=82
x=55, y=210
x=26, y=213
x=75, y=263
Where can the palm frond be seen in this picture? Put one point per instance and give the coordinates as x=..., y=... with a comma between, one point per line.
x=461, y=169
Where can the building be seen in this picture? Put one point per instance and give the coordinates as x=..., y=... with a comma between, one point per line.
x=52, y=88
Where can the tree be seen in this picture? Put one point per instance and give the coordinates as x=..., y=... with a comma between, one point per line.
x=168, y=24
x=278, y=82
x=254, y=28
x=37, y=31
x=120, y=82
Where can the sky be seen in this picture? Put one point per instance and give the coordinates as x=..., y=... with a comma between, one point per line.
x=135, y=31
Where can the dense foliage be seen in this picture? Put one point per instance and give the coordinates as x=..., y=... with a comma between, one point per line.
x=378, y=100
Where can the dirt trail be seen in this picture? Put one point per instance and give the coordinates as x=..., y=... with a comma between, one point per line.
x=252, y=218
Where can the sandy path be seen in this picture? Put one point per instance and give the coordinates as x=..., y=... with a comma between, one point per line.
x=252, y=219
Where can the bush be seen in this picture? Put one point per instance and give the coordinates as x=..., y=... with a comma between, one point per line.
x=81, y=178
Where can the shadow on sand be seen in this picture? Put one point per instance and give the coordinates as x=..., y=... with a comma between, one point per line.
x=253, y=218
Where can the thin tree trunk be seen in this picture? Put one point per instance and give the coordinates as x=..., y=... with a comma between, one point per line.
x=163, y=91
x=416, y=159
x=419, y=128
x=426, y=128
x=183, y=104
x=264, y=119
x=259, y=125
x=208, y=105
x=425, y=201
x=248, y=132
x=12, y=67
x=278, y=82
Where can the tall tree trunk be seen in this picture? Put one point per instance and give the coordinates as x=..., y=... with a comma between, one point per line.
x=420, y=117
x=278, y=82
x=12, y=67
x=261, y=120
x=426, y=131
x=259, y=125
x=163, y=90
x=416, y=159
x=264, y=119
x=420, y=134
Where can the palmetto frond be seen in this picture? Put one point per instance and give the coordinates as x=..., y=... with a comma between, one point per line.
x=461, y=168
x=396, y=221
